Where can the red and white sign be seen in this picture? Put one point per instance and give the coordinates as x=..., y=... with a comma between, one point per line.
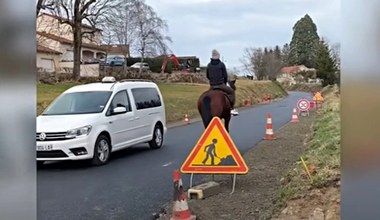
x=303, y=104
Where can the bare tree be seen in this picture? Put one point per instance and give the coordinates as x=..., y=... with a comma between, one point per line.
x=108, y=38
x=246, y=61
x=265, y=63
x=122, y=25
x=151, y=39
x=75, y=13
x=272, y=65
x=335, y=54
x=255, y=62
x=44, y=5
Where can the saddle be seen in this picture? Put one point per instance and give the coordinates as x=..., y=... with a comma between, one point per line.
x=224, y=92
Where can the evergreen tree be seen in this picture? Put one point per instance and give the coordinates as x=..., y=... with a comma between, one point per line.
x=266, y=51
x=285, y=55
x=304, y=43
x=277, y=52
x=325, y=65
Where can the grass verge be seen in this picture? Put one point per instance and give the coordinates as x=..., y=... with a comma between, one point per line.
x=179, y=98
x=323, y=154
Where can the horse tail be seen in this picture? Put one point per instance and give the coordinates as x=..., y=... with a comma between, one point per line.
x=206, y=110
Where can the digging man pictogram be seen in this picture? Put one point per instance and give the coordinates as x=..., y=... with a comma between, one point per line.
x=210, y=152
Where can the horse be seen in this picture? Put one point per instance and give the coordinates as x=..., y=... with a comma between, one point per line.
x=215, y=103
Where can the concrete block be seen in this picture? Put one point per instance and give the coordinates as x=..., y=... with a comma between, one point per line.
x=204, y=190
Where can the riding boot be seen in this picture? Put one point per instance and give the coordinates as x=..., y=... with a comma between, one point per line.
x=233, y=110
x=232, y=101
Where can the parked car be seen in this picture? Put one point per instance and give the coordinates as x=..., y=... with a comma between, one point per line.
x=91, y=61
x=137, y=65
x=90, y=121
x=115, y=61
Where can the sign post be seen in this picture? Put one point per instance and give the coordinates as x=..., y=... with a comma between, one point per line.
x=303, y=106
x=215, y=153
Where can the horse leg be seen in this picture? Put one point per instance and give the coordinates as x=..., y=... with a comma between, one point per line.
x=227, y=122
x=206, y=110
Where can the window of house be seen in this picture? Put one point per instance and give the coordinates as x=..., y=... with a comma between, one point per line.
x=47, y=64
x=68, y=55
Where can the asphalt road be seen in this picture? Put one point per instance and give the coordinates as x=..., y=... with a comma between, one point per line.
x=137, y=181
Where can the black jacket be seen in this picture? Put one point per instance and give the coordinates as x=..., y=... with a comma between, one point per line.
x=216, y=72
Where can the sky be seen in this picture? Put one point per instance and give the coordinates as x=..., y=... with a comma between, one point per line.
x=198, y=26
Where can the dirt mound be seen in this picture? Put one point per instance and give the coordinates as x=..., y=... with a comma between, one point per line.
x=227, y=161
x=319, y=204
x=187, y=78
x=175, y=77
x=303, y=87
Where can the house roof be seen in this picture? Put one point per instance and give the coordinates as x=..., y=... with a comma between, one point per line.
x=44, y=49
x=116, y=48
x=70, y=42
x=291, y=69
x=70, y=21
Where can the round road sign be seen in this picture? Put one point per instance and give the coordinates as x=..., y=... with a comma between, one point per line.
x=303, y=104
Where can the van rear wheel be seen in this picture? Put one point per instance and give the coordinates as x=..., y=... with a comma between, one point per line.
x=157, y=139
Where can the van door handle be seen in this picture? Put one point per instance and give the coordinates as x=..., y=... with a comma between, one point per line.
x=137, y=118
x=110, y=122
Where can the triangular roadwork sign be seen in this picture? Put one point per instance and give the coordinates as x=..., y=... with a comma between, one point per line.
x=215, y=153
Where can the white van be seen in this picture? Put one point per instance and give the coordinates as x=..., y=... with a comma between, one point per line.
x=90, y=121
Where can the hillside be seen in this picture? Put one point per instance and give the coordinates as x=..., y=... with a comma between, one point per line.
x=180, y=97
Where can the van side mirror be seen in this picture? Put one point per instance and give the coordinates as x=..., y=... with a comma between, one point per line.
x=119, y=110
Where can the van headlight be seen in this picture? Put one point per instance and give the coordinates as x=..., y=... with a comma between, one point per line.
x=78, y=132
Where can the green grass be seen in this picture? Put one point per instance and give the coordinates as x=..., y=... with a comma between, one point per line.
x=256, y=90
x=179, y=98
x=323, y=151
x=46, y=93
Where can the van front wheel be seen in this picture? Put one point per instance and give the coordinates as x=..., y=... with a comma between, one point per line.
x=102, y=151
x=157, y=139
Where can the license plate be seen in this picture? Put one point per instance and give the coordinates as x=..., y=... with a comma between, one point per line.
x=44, y=147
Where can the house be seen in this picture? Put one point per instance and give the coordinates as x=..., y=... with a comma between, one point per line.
x=47, y=59
x=116, y=50
x=55, y=34
x=90, y=51
x=52, y=24
x=288, y=74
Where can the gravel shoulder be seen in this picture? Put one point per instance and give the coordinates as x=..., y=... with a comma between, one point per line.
x=256, y=192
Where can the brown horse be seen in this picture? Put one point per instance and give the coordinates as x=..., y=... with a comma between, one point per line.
x=215, y=103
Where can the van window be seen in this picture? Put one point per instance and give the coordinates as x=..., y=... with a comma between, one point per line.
x=120, y=100
x=78, y=103
x=146, y=98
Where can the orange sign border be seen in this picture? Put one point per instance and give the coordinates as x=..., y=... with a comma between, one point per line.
x=241, y=167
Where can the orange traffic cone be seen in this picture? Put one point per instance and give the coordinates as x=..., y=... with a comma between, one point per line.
x=186, y=120
x=269, y=135
x=294, y=116
x=180, y=207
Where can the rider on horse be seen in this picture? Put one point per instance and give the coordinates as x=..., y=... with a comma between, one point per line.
x=217, y=76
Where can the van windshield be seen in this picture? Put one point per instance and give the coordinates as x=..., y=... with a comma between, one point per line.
x=79, y=103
